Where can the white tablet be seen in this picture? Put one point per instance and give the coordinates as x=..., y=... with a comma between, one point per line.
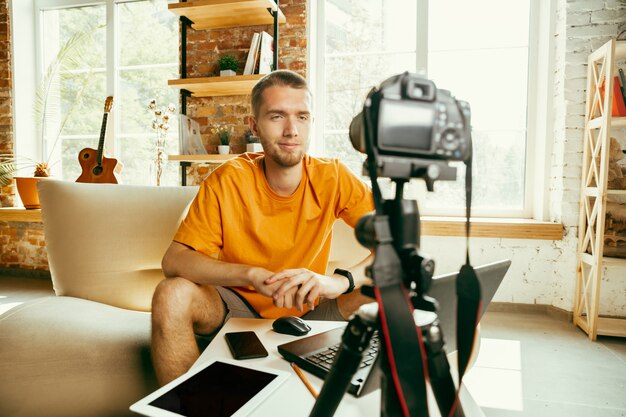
x=217, y=388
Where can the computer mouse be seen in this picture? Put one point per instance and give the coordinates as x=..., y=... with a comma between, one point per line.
x=291, y=325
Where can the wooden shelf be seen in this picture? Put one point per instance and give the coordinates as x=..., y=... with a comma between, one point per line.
x=616, y=122
x=219, y=14
x=217, y=86
x=20, y=214
x=208, y=158
x=606, y=326
x=609, y=261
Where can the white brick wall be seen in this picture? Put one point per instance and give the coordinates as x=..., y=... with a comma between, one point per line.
x=544, y=272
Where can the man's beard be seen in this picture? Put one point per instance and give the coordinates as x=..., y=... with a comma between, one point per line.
x=281, y=158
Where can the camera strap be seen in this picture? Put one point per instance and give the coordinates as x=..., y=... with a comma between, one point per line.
x=402, y=339
x=469, y=303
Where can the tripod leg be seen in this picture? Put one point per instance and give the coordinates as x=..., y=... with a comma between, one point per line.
x=355, y=340
x=440, y=378
x=389, y=401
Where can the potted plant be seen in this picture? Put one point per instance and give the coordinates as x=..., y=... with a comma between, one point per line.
x=44, y=108
x=228, y=65
x=223, y=134
x=253, y=143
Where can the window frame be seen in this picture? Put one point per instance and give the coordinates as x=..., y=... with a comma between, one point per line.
x=112, y=69
x=539, y=114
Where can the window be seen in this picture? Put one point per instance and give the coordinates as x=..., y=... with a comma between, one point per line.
x=480, y=52
x=130, y=58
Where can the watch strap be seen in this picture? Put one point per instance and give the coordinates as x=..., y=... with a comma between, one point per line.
x=347, y=274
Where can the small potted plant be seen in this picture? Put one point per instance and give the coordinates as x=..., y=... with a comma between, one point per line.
x=223, y=134
x=228, y=65
x=253, y=143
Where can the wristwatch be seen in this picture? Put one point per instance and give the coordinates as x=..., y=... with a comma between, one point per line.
x=348, y=275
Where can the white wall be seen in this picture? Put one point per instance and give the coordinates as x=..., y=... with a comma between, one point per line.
x=544, y=272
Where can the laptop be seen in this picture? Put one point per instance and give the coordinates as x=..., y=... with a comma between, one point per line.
x=316, y=353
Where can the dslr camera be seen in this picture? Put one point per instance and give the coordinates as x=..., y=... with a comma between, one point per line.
x=408, y=121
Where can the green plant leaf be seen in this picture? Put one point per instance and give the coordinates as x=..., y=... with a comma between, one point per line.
x=7, y=170
x=47, y=94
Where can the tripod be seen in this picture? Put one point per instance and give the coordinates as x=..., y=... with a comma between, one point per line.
x=394, y=236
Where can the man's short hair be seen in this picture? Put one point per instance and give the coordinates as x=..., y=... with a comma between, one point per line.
x=284, y=78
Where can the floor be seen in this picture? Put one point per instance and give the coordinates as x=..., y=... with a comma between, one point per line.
x=530, y=364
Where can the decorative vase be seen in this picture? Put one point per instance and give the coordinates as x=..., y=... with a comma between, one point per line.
x=27, y=189
x=254, y=147
x=227, y=73
x=223, y=149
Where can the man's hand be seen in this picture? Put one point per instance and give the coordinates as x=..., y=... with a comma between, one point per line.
x=258, y=279
x=300, y=286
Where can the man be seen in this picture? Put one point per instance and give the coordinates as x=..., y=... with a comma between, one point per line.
x=256, y=239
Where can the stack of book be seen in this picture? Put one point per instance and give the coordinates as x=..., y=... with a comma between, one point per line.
x=619, y=95
x=261, y=54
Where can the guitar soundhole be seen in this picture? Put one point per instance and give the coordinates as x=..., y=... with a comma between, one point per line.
x=97, y=170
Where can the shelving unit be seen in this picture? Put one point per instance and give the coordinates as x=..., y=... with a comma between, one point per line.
x=219, y=14
x=591, y=261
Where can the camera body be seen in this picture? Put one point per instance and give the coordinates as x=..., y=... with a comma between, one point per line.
x=410, y=117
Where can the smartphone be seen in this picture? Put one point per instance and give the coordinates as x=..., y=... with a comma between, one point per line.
x=245, y=345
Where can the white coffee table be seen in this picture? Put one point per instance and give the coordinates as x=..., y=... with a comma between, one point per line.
x=292, y=399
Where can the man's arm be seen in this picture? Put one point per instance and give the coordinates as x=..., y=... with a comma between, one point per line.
x=312, y=285
x=182, y=261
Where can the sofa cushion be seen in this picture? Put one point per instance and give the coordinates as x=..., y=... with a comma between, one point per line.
x=105, y=242
x=62, y=356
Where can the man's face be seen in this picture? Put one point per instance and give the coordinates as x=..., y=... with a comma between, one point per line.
x=283, y=124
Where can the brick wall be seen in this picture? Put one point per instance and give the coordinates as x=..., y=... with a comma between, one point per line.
x=203, y=50
x=6, y=105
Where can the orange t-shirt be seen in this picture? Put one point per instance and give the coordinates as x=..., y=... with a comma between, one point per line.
x=238, y=217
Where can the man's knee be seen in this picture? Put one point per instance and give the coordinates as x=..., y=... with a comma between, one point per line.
x=348, y=304
x=173, y=298
x=177, y=300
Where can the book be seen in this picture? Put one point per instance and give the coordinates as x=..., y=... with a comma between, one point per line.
x=190, y=139
x=623, y=79
x=252, y=54
x=618, y=106
x=266, y=53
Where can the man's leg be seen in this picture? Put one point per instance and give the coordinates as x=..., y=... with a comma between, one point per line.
x=181, y=308
x=347, y=304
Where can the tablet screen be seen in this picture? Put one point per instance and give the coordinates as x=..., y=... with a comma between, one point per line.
x=218, y=390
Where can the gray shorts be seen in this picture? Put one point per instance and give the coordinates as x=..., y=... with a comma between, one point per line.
x=237, y=306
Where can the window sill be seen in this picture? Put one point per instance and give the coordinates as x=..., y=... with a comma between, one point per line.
x=492, y=227
x=20, y=214
x=431, y=226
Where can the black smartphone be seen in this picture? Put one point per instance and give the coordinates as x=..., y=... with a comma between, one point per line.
x=245, y=345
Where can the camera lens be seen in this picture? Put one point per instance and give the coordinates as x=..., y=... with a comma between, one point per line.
x=356, y=133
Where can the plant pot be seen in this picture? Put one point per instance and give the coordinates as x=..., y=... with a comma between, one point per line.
x=223, y=149
x=254, y=147
x=227, y=73
x=27, y=189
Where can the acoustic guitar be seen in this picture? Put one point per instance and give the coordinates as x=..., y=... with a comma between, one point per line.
x=97, y=167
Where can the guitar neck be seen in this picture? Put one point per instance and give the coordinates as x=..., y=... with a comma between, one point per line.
x=103, y=129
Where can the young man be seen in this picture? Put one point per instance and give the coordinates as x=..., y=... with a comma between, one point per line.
x=256, y=239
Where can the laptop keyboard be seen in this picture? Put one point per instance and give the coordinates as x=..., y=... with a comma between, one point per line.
x=326, y=357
